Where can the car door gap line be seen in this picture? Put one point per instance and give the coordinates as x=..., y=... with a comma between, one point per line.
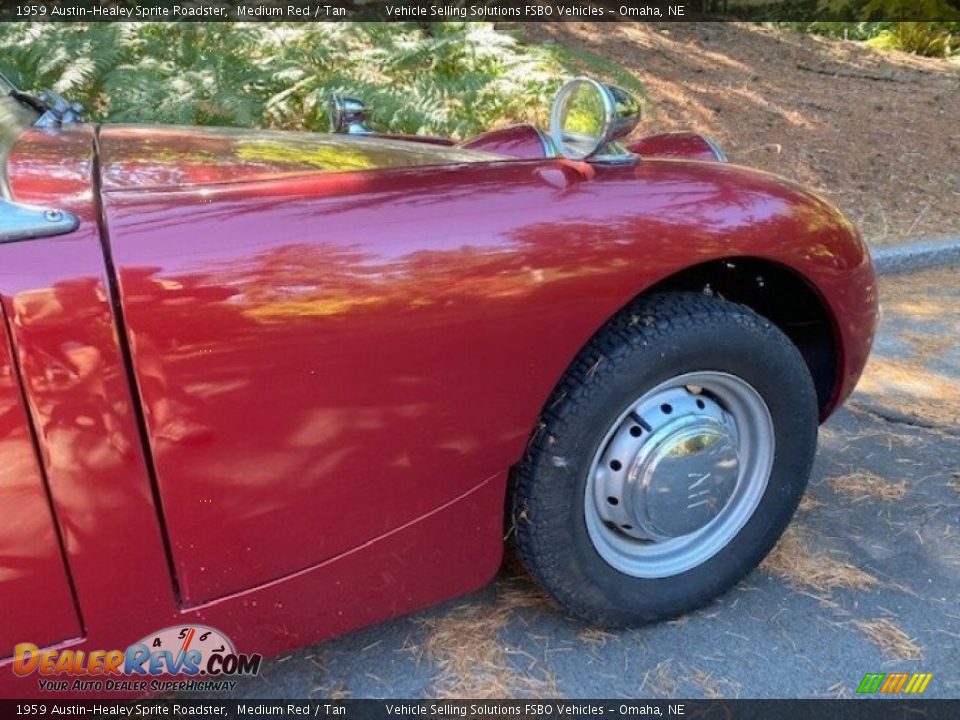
x=113, y=286
x=35, y=439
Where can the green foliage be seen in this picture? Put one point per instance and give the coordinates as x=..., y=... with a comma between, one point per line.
x=452, y=79
x=890, y=24
x=892, y=10
x=836, y=29
x=923, y=38
x=932, y=39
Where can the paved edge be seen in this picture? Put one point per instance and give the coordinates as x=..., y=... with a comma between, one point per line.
x=920, y=254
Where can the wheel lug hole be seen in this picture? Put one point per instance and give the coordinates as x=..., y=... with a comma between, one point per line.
x=615, y=465
x=666, y=408
x=701, y=404
x=636, y=431
x=612, y=500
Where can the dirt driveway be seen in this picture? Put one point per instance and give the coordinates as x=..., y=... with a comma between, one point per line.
x=867, y=578
x=877, y=132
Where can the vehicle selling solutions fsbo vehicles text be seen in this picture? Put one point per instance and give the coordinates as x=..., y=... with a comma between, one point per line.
x=527, y=710
x=532, y=11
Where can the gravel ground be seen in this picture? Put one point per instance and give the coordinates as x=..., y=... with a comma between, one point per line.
x=867, y=578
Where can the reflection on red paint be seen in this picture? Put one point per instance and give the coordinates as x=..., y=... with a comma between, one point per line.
x=336, y=370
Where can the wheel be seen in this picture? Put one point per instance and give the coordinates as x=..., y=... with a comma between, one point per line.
x=668, y=461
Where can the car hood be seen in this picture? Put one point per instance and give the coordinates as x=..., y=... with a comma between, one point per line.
x=142, y=156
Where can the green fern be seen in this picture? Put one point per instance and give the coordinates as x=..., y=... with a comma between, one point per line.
x=459, y=79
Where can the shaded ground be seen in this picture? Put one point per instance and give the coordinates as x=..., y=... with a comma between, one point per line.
x=867, y=578
x=877, y=132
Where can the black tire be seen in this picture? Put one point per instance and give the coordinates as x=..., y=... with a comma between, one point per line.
x=656, y=338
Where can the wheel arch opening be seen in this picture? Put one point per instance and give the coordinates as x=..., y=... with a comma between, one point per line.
x=779, y=294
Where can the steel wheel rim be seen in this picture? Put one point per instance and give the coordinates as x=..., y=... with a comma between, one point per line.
x=679, y=474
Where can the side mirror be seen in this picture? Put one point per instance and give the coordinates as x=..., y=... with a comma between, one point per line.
x=347, y=115
x=588, y=116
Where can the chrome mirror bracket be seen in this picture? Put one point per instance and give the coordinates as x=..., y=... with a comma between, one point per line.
x=25, y=222
x=57, y=111
x=347, y=116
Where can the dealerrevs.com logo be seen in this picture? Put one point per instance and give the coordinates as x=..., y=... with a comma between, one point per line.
x=203, y=657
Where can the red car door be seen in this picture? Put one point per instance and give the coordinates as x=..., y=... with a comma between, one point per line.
x=321, y=359
x=38, y=603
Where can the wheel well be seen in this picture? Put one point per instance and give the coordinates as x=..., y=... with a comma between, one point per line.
x=778, y=294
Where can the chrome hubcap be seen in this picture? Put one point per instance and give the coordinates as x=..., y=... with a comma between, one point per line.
x=679, y=474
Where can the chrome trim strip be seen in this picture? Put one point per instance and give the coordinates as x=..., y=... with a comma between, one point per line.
x=549, y=149
x=624, y=159
x=718, y=153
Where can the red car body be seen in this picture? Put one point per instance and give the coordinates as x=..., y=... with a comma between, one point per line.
x=274, y=383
